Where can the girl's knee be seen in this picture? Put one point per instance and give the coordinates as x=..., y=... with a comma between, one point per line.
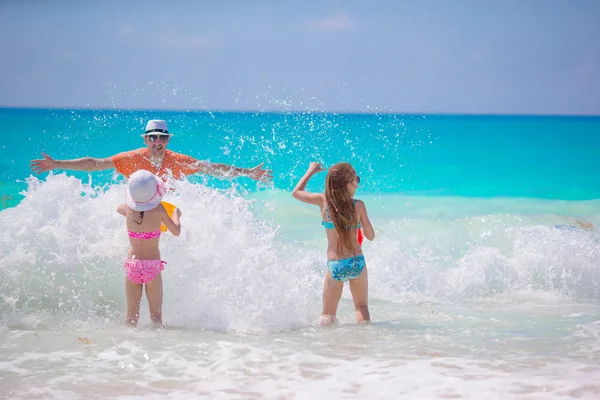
x=135, y=301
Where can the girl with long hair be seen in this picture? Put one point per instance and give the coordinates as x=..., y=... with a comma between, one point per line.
x=342, y=217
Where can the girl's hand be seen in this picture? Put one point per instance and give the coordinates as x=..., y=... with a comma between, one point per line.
x=177, y=212
x=315, y=167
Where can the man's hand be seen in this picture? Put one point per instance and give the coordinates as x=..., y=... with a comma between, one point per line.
x=260, y=174
x=39, y=166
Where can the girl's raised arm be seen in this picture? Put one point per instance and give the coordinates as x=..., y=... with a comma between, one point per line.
x=299, y=193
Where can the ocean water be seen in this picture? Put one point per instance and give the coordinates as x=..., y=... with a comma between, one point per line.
x=474, y=290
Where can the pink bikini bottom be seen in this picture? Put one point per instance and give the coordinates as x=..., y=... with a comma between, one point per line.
x=143, y=271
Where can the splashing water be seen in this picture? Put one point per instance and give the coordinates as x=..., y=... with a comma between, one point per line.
x=235, y=266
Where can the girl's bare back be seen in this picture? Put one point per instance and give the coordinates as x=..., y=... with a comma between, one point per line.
x=146, y=222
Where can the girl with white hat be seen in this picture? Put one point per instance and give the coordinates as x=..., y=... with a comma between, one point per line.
x=144, y=215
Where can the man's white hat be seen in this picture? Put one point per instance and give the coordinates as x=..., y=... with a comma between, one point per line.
x=157, y=127
x=144, y=191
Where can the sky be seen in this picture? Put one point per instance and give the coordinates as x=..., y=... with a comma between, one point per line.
x=406, y=56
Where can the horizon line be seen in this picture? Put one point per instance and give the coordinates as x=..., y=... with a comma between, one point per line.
x=274, y=111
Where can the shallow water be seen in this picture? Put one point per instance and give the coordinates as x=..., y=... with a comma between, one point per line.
x=503, y=348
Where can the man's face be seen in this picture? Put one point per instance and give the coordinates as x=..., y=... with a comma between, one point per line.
x=157, y=144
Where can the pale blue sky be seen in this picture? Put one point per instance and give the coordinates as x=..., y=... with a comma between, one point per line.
x=422, y=56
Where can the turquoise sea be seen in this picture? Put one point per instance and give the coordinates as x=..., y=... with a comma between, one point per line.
x=450, y=155
x=484, y=277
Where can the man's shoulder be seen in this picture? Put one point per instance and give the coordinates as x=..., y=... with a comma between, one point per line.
x=132, y=153
x=187, y=164
x=178, y=156
x=175, y=154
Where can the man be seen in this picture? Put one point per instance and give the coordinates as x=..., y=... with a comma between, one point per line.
x=154, y=158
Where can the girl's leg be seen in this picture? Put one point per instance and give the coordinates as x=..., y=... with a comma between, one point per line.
x=332, y=291
x=133, y=292
x=154, y=294
x=359, y=288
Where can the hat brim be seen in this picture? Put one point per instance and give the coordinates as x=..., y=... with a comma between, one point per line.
x=156, y=133
x=148, y=205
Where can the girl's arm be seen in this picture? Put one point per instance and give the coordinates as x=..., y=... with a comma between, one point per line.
x=300, y=194
x=173, y=225
x=122, y=209
x=363, y=218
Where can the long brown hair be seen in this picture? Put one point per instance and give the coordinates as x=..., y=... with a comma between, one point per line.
x=339, y=201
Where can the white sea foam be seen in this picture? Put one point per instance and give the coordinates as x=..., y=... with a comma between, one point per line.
x=243, y=264
x=468, y=300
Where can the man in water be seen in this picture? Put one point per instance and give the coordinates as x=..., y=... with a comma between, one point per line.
x=154, y=158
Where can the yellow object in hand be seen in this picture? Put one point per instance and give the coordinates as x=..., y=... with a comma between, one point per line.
x=170, y=208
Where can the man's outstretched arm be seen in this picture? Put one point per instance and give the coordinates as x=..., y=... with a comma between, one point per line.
x=229, y=171
x=79, y=164
x=189, y=165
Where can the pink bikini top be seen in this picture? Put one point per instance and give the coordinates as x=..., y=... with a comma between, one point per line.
x=144, y=235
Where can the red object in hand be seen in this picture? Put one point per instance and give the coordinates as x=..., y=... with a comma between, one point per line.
x=360, y=236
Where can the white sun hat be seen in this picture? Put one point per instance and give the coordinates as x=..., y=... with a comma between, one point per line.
x=144, y=191
x=157, y=127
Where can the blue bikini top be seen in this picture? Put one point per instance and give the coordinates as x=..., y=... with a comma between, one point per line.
x=329, y=224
